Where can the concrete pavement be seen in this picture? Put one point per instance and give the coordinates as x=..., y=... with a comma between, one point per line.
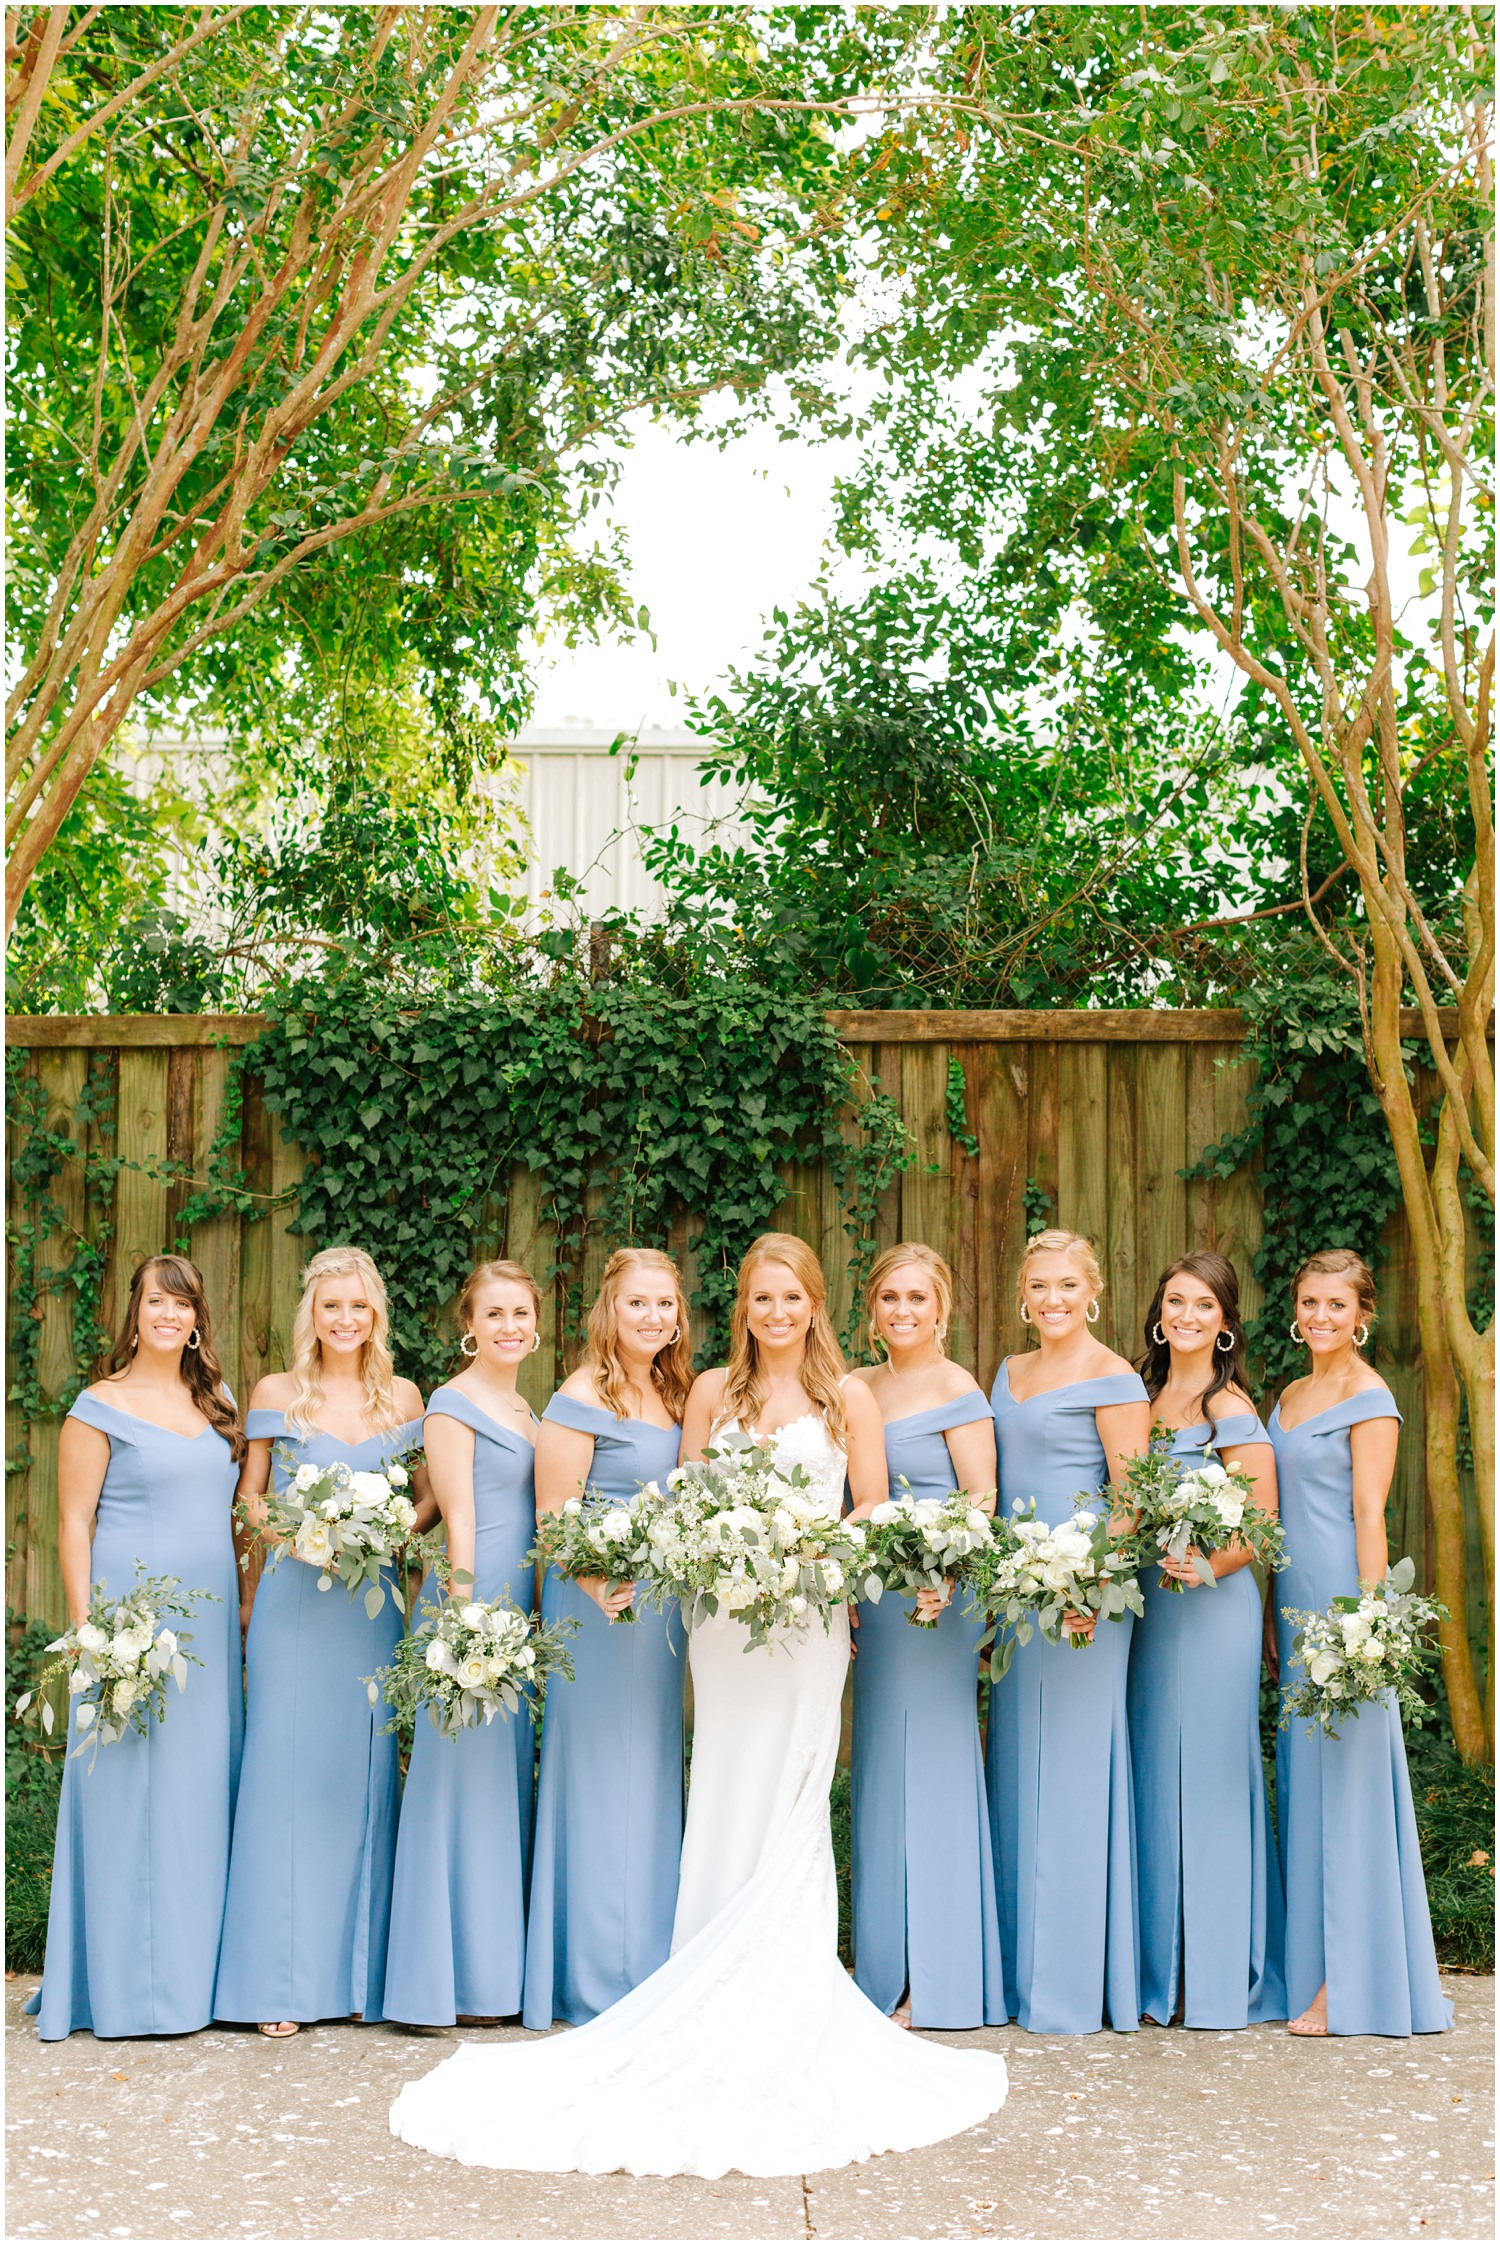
x=1155, y=2135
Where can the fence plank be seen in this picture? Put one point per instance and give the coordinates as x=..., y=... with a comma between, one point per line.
x=529, y=1242
x=1162, y=1229
x=215, y=1245
x=1083, y=1145
x=141, y=1142
x=927, y=1187
x=998, y=1118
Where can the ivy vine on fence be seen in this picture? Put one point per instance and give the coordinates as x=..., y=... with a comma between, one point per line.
x=631, y=1103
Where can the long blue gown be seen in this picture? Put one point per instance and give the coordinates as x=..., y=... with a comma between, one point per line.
x=315, y=1829
x=1057, y=1758
x=142, y=1850
x=458, y=1907
x=609, y=1789
x=923, y=1876
x=1211, y=1900
x=1356, y=1897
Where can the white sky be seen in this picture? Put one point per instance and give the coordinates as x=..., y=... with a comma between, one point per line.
x=716, y=540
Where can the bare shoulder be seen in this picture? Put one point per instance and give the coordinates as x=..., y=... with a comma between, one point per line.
x=1229, y=1403
x=273, y=1393
x=580, y=1386
x=409, y=1399
x=865, y=1374
x=1108, y=1365
x=953, y=1383
x=709, y=1386
x=861, y=1409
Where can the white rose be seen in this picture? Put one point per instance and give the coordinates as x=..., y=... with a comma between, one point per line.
x=978, y=1522
x=397, y=1476
x=741, y=1594
x=123, y=1697
x=1323, y=1667
x=440, y=1658
x=616, y=1526
x=368, y=1488
x=1057, y=1575
x=92, y=1638
x=306, y=1476
x=1211, y=1474
x=313, y=1542
x=799, y=1605
x=1372, y=1652
x=833, y=1575
x=1354, y=1629
x=403, y=1512
x=473, y=1617
x=331, y=1507
x=573, y=1506
x=1231, y=1508
x=472, y=1671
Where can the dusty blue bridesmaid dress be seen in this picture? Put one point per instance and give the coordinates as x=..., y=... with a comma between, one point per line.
x=1356, y=1898
x=1057, y=1757
x=458, y=1908
x=142, y=1851
x=315, y=1827
x=609, y=1788
x=923, y=1877
x=1212, y=1912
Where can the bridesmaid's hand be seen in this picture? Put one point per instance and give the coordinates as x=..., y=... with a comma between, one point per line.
x=611, y=1603
x=1079, y=1625
x=1182, y=1570
x=930, y=1603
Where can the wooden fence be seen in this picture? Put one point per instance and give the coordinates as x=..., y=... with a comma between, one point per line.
x=1102, y=1111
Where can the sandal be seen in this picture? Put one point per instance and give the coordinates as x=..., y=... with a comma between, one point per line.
x=279, y=2030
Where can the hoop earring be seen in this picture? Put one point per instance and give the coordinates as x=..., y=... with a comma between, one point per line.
x=536, y=1342
x=1157, y=1340
x=135, y=1342
x=195, y=1339
x=676, y=1334
x=1025, y=1315
x=1225, y=1342
x=464, y=1348
x=1362, y=1337
x=1092, y=1312
x=1296, y=1333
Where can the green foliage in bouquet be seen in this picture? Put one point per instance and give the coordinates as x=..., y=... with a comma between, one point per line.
x=118, y=1660
x=1199, y=1509
x=1359, y=1649
x=470, y=1661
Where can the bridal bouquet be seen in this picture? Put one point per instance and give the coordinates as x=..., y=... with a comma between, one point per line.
x=1201, y=1509
x=471, y=1661
x=351, y=1525
x=117, y=1661
x=1034, y=1574
x=594, y=1535
x=914, y=1543
x=1361, y=1648
x=742, y=1533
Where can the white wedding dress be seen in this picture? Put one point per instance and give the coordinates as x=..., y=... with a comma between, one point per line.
x=751, y=2048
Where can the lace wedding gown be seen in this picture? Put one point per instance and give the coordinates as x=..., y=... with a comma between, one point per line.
x=751, y=2048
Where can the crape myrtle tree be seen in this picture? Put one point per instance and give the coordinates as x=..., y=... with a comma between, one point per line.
x=319, y=318
x=1196, y=329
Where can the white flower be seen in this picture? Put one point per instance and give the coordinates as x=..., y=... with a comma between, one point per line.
x=396, y=1475
x=1212, y=1473
x=368, y=1488
x=78, y=1682
x=92, y=1638
x=616, y=1527
x=1323, y=1667
x=403, y=1512
x=472, y=1670
x=439, y=1659
x=473, y=1617
x=791, y=1571
x=306, y=1476
x=1231, y=1508
x=313, y=1541
x=129, y=1644
x=123, y=1697
x=331, y=1507
x=833, y=1576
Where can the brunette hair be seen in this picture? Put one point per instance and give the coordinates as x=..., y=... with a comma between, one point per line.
x=1059, y=1242
x=672, y=1365
x=822, y=1363
x=199, y=1366
x=375, y=1367
x=1222, y=1281
x=897, y=1258
x=1341, y=1262
x=483, y=1274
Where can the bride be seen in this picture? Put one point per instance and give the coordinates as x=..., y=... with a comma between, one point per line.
x=750, y=2048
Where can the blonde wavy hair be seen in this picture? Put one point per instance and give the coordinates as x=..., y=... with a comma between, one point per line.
x=671, y=1367
x=375, y=1367
x=898, y=1258
x=822, y=1363
x=1060, y=1243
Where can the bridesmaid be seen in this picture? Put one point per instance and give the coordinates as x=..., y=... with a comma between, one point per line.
x=315, y=1830
x=1359, y=1955
x=458, y=1908
x=609, y=1793
x=1057, y=1759
x=1212, y=1912
x=146, y=1468
x=926, y=1936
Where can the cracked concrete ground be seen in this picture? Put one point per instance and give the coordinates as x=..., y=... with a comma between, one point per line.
x=1155, y=2135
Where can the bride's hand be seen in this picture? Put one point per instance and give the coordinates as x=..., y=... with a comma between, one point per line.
x=930, y=1603
x=611, y=1603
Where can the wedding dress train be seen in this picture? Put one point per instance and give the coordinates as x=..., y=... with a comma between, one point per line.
x=751, y=2048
